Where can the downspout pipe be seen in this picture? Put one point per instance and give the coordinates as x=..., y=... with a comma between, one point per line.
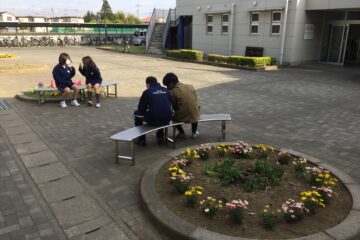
x=231, y=28
x=282, y=49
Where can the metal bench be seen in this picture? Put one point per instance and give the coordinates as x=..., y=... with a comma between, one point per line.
x=42, y=91
x=130, y=134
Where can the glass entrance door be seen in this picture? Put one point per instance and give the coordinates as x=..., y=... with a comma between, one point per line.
x=337, y=44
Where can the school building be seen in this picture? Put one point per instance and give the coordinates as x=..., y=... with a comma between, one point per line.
x=293, y=31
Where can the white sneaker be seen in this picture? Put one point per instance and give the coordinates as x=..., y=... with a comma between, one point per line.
x=75, y=103
x=98, y=105
x=195, y=135
x=63, y=104
x=90, y=103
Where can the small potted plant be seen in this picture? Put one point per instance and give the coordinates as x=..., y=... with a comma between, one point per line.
x=221, y=150
x=293, y=211
x=192, y=195
x=180, y=179
x=284, y=158
x=237, y=208
x=202, y=152
x=269, y=218
x=241, y=150
x=210, y=206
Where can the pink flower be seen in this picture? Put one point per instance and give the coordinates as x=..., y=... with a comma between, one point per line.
x=293, y=216
x=40, y=84
x=52, y=84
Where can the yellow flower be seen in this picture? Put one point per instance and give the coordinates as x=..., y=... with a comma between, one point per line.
x=267, y=206
x=321, y=204
x=327, y=175
x=188, y=193
x=174, y=174
x=303, y=198
x=199, y=193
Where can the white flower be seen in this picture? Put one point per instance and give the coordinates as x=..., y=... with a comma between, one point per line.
x=206, y=210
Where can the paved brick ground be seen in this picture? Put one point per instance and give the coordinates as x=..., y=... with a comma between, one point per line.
x=313, y=110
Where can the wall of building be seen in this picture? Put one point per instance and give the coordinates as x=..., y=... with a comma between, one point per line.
x=297, y=49
x=6, y=17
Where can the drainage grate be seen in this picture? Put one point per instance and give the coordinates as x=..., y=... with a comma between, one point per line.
x=4, y=105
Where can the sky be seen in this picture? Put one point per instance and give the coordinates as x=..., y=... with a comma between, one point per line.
x=78, y=7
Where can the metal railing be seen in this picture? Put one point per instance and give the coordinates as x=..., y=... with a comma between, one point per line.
x=171, y=18
x=158, y=16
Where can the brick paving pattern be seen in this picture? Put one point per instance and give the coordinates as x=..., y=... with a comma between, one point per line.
x=311, y=109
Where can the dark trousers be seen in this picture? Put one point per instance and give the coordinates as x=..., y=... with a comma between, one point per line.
x=194, y=127
x=139, y=121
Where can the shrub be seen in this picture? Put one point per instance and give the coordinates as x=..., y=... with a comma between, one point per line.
x=229, y=174
x=250, y=61
x=293, y=211
x=210, y=206
x=186, y=54
x=221, y=150
x=237, y=208
x=191, y=196
x=268, y=217
x=284, y=158
x=218, y=58
x=299, y=167
x=241, y=150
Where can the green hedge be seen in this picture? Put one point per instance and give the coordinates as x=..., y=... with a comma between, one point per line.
x=186, y=54
x=242, y=60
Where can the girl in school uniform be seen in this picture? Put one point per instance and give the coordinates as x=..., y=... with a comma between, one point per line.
x=62, y=74
x=93, y=77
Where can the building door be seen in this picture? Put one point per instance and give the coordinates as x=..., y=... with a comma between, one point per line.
x=337, y=44
x=352, y=53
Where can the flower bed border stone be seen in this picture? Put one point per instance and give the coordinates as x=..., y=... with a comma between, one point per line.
x=178, y=228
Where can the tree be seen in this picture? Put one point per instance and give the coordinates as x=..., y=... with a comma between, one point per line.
x=89, y=17
x=106, y=12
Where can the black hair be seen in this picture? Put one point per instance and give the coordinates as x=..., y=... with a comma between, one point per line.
x=170, y=78
x=151, y=80
x=63, y=57
x=89, y=63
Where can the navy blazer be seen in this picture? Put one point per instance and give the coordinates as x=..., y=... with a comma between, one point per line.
x=155, y=104
x=62, y=75
x=91, y=75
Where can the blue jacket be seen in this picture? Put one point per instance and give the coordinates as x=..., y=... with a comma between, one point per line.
x=155, y=105
x=91, y=75
x=63, y=75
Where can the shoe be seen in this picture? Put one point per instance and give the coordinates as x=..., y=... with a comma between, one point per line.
x=98, y=105
x=75, y=103
x=141, y=142
x=195, y=135
x=90, y=103
x=180, y=136
x=63, y=104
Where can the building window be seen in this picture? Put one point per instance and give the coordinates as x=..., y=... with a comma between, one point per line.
x=9, y=19
x=254, y=23
x=225, y=24
x=275, y=23
x=209, y=23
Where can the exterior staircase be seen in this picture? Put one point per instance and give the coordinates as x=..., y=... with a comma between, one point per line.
x=156, y=40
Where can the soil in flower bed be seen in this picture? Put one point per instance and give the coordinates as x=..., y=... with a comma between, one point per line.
x=290, y=187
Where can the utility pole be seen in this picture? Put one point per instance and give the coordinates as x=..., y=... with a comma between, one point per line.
x=138, y=10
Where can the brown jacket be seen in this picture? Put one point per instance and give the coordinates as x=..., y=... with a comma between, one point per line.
x=184, y=101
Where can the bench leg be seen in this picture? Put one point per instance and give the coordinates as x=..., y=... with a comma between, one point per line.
x=107, y=91
x=132, y=153
x=116, y=152
x=115, y=90
x=223, y=129
x=174, y=133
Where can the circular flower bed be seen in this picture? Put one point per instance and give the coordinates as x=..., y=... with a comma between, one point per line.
x=252, y=191
x=6, y=55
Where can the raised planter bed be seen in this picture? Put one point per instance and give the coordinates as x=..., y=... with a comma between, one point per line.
x=339, y=219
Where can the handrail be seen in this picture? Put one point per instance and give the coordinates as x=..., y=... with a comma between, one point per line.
x=150, y=29
x=167, y=26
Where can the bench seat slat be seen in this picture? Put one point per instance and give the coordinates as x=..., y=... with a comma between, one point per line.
x=135, y=132
x=82, y=87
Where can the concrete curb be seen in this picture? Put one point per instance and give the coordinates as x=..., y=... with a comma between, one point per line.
x=178, y=228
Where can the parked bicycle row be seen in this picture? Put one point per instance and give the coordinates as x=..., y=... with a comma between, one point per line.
x=45, y=41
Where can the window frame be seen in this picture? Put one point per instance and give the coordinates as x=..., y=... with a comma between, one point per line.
x=276, y=23
x=225, y=24
x=209, y=24
x=254, y=23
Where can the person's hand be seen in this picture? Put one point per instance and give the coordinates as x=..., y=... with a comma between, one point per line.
x=80, y=65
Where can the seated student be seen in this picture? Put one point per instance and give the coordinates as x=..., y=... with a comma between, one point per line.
x=154, y=108
x=184, y=102
x=62, y=74
x=93, y=77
